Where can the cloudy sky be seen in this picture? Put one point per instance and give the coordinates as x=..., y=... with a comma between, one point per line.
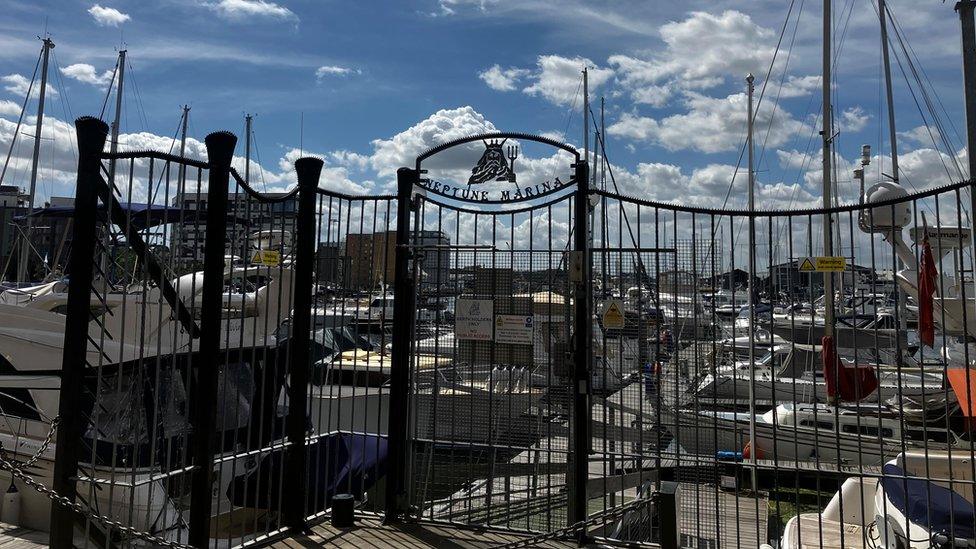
x=376, y=82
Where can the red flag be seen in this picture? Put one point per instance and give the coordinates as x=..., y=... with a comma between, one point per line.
x=849, y=383
x=927, y=275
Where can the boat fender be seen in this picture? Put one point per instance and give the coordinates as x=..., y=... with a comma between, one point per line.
x=10, y=508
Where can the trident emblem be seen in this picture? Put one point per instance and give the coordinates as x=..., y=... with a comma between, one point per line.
x=512, y=155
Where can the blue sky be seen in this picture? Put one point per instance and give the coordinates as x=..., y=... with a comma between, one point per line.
x=379, y=81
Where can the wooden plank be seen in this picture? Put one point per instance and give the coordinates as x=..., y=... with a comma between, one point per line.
x=371, y=532
x=16, y=537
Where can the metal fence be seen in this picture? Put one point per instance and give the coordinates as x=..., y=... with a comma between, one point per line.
x=580, y=364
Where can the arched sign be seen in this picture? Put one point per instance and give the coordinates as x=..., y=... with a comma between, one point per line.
x=493, y=168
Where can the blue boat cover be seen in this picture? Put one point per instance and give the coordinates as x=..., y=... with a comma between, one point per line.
x=929, y=505
x=339, y=463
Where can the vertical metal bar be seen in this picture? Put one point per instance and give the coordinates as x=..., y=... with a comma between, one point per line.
x=91, y=140
x=403, y=297
x=308, y=170
x=220, y=150
x=582, y=331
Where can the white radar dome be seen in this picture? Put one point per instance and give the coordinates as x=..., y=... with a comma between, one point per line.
x=885, y=217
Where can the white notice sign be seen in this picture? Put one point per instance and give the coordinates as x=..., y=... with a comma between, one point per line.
x=515, y=329
x=473, y=319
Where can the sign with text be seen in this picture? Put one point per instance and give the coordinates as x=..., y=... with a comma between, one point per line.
x=515, y=329
x=268, y=258
x=473, y=319
x=823, y=264
x=498, y=168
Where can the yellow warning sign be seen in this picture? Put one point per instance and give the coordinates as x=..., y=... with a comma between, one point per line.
x=613, y=314
x=823, y=264
x=831, y=263
x=268, y=258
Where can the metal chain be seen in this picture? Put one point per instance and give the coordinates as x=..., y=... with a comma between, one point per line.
x=616, y=512
x=16, y=469
x=40, y=451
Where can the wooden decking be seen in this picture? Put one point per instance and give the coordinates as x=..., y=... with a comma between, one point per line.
x=14, y=537
x=371, y=532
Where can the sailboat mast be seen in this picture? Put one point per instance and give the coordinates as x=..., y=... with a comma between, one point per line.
x=247, y=148
x=965, y=9
x=183, y=124
x=35, y=160
x=603, y=144
x=118, y=114
x=827, y=152
x=751, y=286
x=891, y=106
x=586, y=115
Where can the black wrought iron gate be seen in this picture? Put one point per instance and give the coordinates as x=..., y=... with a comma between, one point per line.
x=496, y=384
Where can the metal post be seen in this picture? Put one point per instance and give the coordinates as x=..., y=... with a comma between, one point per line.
x=965, y=9
x=22, y=274
x=666, y=505
x=220, y=150
x=403, y=298
x=582, y=332
x=92, y=133
x=308, y=170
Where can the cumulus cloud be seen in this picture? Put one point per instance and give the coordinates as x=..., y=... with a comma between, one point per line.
x=920, y=136
x=443, y=125
x=107, y=17
x=708, y=186
x=249, y=10
x=9, y=108
x=798, y=86
x=690, y=62
x=501, y=79
x=18, y=84
x=852, y=120
x=710, y=125
x=557, y=78
x=87, y=74
x=334, y=70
